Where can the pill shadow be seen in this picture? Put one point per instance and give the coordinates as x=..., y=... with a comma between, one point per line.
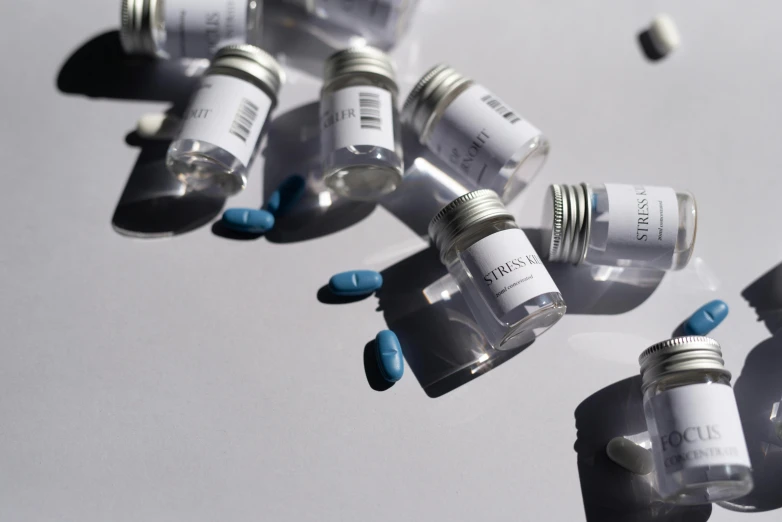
x=372, y=369
x=154, y=204
x=647, y=46
x=597, y=290
x=611, y=493
x=100, y=68
x=440, y=341
x=326, y=296
x=219, y=229
x=293, y=147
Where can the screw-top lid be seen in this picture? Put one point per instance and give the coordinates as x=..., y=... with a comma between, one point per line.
x=139, y=19
x=680, y=354
x=250, y=60
x=462, y=213
x=438, y=86
x=359, y=60
x=571, y=222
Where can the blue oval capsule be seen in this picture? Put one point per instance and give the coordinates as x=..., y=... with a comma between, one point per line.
x=249, y=220
x=706, y=318
x=389, y=356
x=356, y=282
x=287, y=195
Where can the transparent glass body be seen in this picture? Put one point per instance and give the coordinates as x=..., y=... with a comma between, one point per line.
x=703, y=484
x=205, y=167
x=519, y=326
x=253, y=28
x=365, y=172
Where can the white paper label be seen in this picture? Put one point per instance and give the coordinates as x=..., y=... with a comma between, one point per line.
x=696, y=426
x=356, y=116
x=197, y=28
x=643, y=224
x=370, y=14
x=507, y=270
x=478, y=134
x=227, y=112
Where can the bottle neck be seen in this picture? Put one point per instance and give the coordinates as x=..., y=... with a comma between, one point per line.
x=571, y=222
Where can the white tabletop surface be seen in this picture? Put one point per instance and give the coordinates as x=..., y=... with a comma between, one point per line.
x=199, y=378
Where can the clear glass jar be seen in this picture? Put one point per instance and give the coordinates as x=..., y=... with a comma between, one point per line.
x=501, y=277
x=222, y=127
x=361, y=143
x=379, y=22
x=188, y=28
x=619, y=225
x=475, y=132
x=697, y=439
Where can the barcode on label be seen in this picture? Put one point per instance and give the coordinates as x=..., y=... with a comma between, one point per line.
x=369, y=110
x=244, y=119
x=502, y=110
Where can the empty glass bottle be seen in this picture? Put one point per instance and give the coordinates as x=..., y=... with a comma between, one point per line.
x=619, y=225
x=360, y=133
x=697, y=440
x=475, y=132
x=507, y=288
x=222, y=126
x=188, y=28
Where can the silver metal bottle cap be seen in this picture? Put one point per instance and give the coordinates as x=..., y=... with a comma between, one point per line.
x=358, y=60
x=679, y=355
x=251, y=61
x=436, y=88
x=571, y=223
x=139, y=18
x=462, y=213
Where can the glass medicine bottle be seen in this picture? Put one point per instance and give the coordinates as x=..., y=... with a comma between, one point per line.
x=619, y=225
x=475, y=132
x=697, y=440
x=360, y=132
x=501, y=277
x=188, y=28
x=222, y=126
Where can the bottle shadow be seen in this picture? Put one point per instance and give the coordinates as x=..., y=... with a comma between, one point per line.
x=610, y=493
x=757, y=389
x=293, y=147
x=440, y=341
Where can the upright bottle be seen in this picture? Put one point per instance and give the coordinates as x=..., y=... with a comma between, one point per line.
x=475, y=132
x=222, y=126
x=188, y=28
x=619, y=225
x=360, y=133
x=501, y=277
x=697, y=440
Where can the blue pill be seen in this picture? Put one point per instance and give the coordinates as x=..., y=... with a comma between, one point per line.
x=356, y=282
x=250, y=220
x=706, y=318
x=389, y=356
x=287, y=195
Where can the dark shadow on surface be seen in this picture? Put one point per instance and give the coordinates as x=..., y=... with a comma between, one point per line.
x=441, y=343
x=101, y=69
x=611, y=493
x=765, y=296
x=647, y=46
x=372, y=369
x=219, y=229
x=293, y=147
x=326, y=296
x=154, y=203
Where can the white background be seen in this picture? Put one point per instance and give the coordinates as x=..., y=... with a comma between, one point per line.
x=198, y=378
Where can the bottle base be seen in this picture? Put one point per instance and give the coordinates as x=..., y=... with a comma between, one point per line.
x=363, y=182
x=527, y=329
x=523, y=168
x=705, y=486
x=218, y=175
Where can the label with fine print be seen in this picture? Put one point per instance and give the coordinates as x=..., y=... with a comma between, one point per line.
x=506, y=270
x=643, y=224
x=227, y=112
x=197, y=28
x=696, y=426
x=478, y=134
x=357, y=116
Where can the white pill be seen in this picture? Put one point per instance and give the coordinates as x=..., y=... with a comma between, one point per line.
x=664, y=34
x=158, y=126
x=630, y=456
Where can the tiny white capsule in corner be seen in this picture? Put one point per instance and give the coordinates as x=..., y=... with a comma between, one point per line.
x=158, y=126
x=664, y=34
